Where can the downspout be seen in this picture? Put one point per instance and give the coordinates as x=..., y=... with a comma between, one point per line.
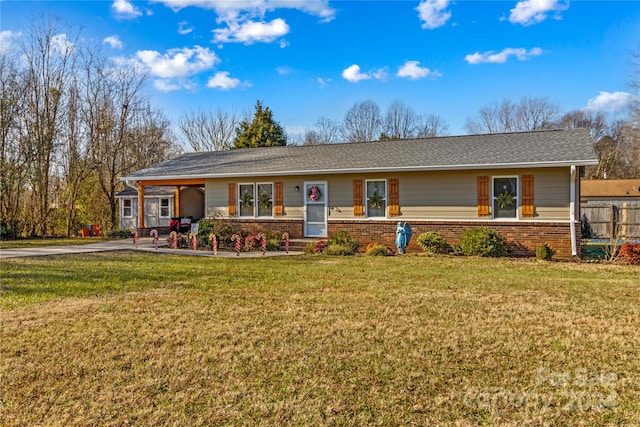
x=130, y=185
x=572, y=211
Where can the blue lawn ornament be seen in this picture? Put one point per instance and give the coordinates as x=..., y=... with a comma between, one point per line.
x=403, y=236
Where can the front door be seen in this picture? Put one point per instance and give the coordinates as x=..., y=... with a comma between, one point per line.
x=315, y=209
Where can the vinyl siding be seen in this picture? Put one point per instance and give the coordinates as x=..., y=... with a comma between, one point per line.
x=423, y=195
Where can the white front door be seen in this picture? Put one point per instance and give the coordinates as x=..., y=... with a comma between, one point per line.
x=315, y=209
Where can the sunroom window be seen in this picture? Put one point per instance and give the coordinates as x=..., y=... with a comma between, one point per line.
x=164, y=208
x=126, y=208
x=377, y=199
x=505, y=197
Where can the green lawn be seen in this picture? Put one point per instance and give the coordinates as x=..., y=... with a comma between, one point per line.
x=136, y=338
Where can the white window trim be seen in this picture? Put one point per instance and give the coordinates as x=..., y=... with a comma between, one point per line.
x=256, y=199
x=517, y=198
x=160, y=207
x=130, y=207
x=366, y=197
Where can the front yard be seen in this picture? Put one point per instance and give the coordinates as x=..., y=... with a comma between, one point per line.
x=149, y=339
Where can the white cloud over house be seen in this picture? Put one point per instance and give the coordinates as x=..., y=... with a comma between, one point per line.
x=178, y=62
x=221, y=80
x=8, y=40
x=501, y=57
x=184, y=28
x=413, y=70
x=125, y=9
x=113, y=41
x=529, y=12
x=243, y=20
x=353, y=74
x=433, y=13
x=249, y=32
x=610, y=102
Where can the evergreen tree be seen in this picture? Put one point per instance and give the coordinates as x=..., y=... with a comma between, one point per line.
x=263, y=131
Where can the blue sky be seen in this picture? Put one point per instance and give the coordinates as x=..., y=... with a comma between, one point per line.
x=312, y=59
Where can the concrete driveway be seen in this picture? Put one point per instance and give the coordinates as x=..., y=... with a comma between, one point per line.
x=144, y=244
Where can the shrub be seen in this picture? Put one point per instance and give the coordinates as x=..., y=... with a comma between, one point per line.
x=342, y=238
x=586, y=231
x=339, y=250
x=482, y=241
x=315, y=247
x=119, y=233
x=376, y=249
x=432, y=243
x=544, y=251
x=629, y=253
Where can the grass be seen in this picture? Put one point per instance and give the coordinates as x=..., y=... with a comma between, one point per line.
x=149, y=339
x=37, y=242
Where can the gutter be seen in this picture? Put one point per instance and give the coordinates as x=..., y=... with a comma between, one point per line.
x=128, y=184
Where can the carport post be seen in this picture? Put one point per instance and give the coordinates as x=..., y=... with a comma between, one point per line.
x=140, y=204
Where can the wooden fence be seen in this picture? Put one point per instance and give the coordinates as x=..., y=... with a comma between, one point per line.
x=619, y=221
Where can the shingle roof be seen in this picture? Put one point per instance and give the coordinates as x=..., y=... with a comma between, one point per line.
x=523, y=149
x=150, y=191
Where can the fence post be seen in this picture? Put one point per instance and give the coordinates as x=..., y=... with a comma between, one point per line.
x=612, y=223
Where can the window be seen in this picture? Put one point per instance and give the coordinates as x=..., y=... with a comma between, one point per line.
x=505, y=197
x=164, y=208
x=265, y=199
x=246, y=199
x=376, y=199
x=255, y=200
x=127, y=211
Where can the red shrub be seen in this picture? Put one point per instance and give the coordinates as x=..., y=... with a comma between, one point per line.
x=629, y=253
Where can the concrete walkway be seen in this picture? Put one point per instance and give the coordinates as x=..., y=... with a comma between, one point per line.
x=144, y=244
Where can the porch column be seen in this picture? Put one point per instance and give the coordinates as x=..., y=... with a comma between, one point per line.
x=176, y=202
x=140, y=204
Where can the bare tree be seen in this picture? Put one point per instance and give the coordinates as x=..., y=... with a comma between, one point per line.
x=326, y=131
x=48, y=54
x=208, y=131
x=399, y=122
x=595, y=121
x=431, y=125
x=507, y=116
x=362, y=122
x=13, y=166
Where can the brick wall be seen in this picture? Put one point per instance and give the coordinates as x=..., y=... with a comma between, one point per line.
x=523, y=238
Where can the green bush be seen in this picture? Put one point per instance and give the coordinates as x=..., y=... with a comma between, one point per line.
x=544, y=251
x=315, y=248
x=342, y=238
x=119, y=233
x=376, y=250
x=339, y=250
x=481, y=241
x=432, y=243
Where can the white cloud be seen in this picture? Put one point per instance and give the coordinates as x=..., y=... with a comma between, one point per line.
x=221, y=80
x=179, y=62
x=166, y=85
x=249, y=32
x=354, y=75
x=529, y=12
x=234, y=10
x=61, y=44
x=323, y=82
x=283, y=70
x=500, y=57
x=381, y=74
x=184, y=28
x=124, y=9
x=8, y=40
x=610, y=102
x=413, y=70
x=114, y=42
x=433, y=13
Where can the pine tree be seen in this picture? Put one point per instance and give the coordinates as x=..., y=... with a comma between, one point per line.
x=263, y=131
